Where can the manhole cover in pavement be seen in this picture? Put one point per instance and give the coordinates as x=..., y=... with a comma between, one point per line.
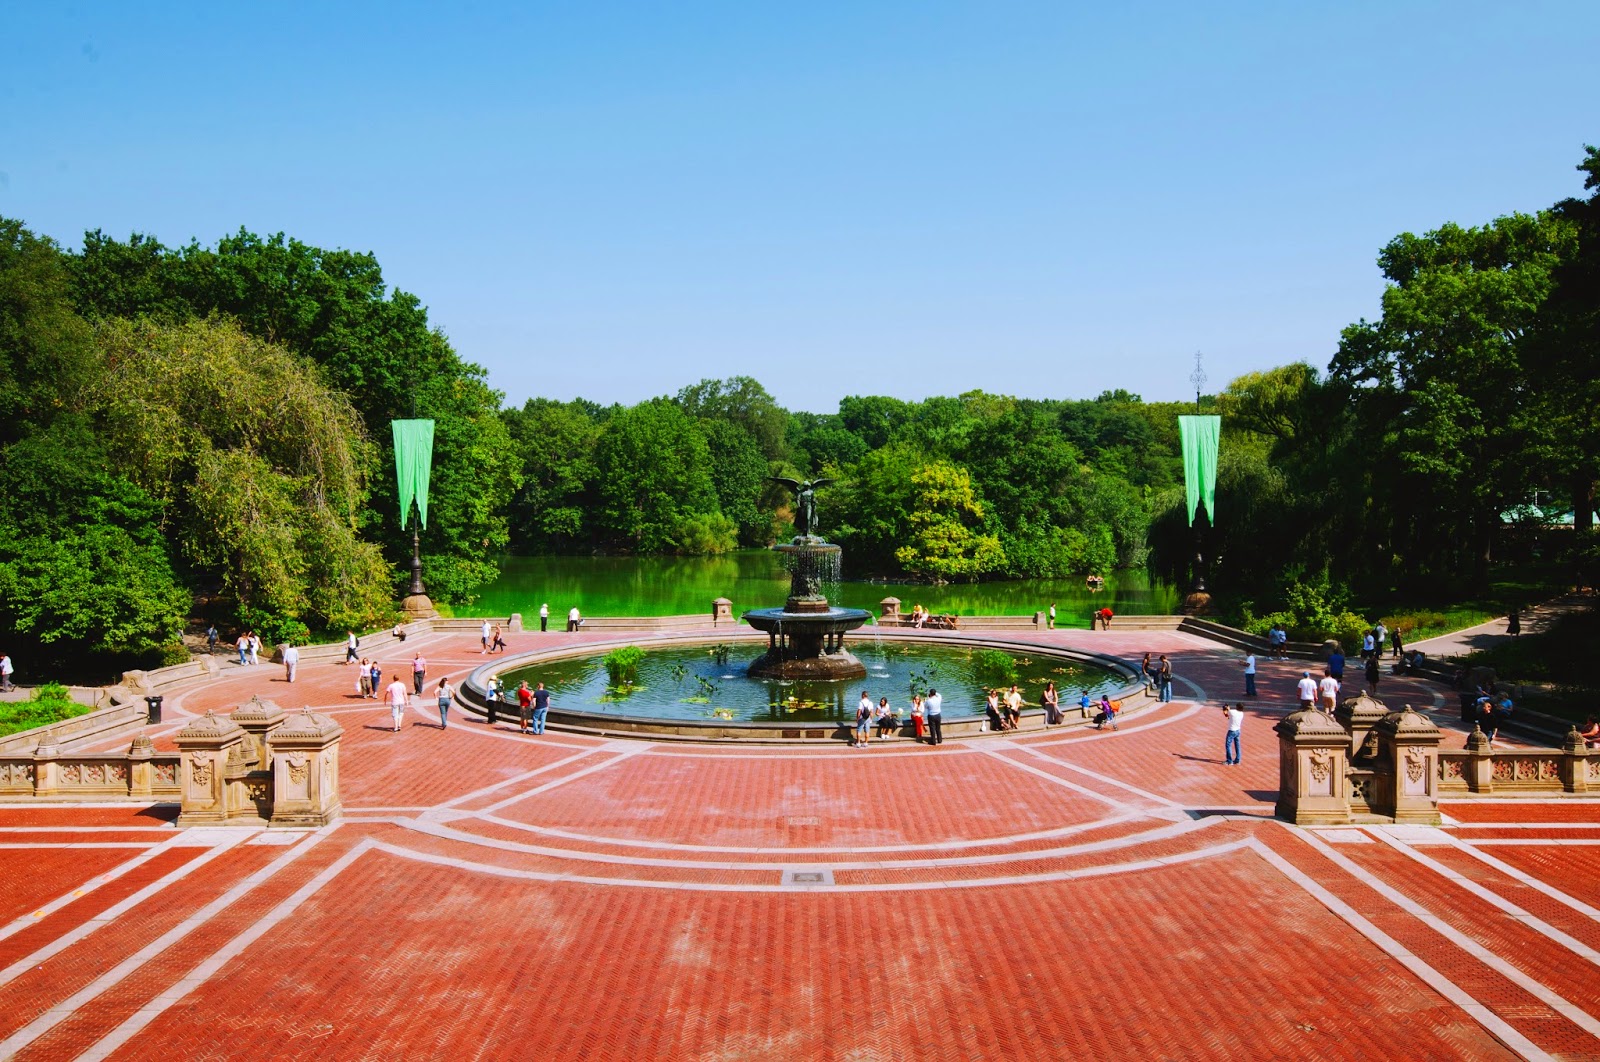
x=802, y=877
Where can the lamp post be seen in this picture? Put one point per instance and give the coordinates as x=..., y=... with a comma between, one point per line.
x=413, y=462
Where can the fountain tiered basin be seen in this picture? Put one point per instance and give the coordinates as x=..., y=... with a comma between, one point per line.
x=805, y=638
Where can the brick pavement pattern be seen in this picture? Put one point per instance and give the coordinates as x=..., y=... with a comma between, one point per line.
x=1070, y=894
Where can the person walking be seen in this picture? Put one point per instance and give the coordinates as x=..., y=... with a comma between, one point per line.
x=918, y=723
x=1052, y=704
x=483, y=636
x=395, y=694
x=1394, y=639
x=525, y=705
x=1514, y=623
x=1164, y=678
x=1051, y=623
x=419, y=672
x=1250, y=675
x=497, y=640
x=364, y=679
x=1307, y=690
x=544, y=617
x=574, y=618
x=1374, y=672
x=934, y=709
x=351, y=644
x=1329, y=689
x=377, y=675
x=1230, y=744
x=291, y=661
x=1379, y=633
x=1336, y=662
x=5, y=673
x=1368, y=643
x=255, y=648
x=863, y=721
x=211, y=638
x=445, y=693
x=541, y=708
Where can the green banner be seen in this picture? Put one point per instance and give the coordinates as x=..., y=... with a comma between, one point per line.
x=413, y=461
x=1200, y=436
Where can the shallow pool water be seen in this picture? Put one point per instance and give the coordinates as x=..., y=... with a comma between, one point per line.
x=694, y=683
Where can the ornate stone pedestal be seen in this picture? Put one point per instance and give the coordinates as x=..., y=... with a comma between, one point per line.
x=1313, y=752
x=305, y=771
x=208, y=746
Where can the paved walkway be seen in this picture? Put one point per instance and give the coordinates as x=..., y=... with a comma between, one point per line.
x=1494, y=632
x=1055, y=895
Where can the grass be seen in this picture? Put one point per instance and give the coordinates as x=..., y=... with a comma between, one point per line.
x=1427, y=615
x=50, y=704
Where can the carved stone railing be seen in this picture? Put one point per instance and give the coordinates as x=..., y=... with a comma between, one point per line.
x=48, y=773
x=1478, y=768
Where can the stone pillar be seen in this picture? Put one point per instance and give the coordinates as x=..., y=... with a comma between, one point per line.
x=514, y=625
x=46, y=771
x=889, y=608
x=258, y=719
x=1313, y=753
x=1480, y=762
x=1358, y=715
x=1408, y=746
x=305, y=771
x=141, y=772
x=206, y=746
x=1575, y=763
x=721, y=609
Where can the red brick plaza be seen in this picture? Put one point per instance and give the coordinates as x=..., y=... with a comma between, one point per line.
x=1074, y=894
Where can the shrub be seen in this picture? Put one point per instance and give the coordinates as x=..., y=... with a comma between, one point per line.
x=622, y=666
x=173, y=654
x=51, y=703
x=991, y=667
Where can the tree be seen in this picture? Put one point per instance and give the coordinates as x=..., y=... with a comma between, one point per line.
x=1442, y=372
x=947, y=536
x=44, y=346
x=654, y=470
x=84, y=573
x=738, y=475
x=742, y=401
x=555, y=444
x=261, y=466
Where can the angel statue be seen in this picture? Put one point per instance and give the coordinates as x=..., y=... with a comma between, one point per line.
x=805, y=501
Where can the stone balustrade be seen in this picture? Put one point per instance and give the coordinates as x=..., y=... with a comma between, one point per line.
x=49, y=773
x=259, y=767
x=1480, y=768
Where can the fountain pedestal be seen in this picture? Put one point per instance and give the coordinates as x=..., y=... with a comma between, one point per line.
x=805, y=638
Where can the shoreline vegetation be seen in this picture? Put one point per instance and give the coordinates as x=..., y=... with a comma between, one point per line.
x=197, y=435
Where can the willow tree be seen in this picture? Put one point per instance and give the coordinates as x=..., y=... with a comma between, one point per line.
x=261, y=468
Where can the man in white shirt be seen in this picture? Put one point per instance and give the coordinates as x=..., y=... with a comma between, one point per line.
x=5, y=672
x=544, y=617
x=1308, y=690
x=1379, y=633
x=573, y=618
x=351, y=644
x=1367, y=643
x=291, y=660
x=1230, y=744
x=1250, y=675
x=485, y=637
x=1330, y=693
x=933, y=710
x=395, y=694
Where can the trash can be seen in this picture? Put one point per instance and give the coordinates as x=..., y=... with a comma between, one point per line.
x=153, y=703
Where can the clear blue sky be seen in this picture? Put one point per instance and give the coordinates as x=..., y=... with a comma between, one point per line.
x=613, y=200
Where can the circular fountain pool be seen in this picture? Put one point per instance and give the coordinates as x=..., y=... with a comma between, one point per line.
x=700, y=684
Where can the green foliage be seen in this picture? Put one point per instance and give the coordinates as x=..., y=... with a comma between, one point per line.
x=83, y=567
x=173, y=654
x=555, y=445
x=273, y=629
x=654, y=470
x=699, y=534
x=622, y=666
x=948, y=539
x=50, y=703
x=991, y=667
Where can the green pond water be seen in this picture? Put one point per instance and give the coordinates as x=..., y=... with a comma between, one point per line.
x=692, y=684
x=666, y=586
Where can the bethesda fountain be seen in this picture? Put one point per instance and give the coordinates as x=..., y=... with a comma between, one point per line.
x=805, y=638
